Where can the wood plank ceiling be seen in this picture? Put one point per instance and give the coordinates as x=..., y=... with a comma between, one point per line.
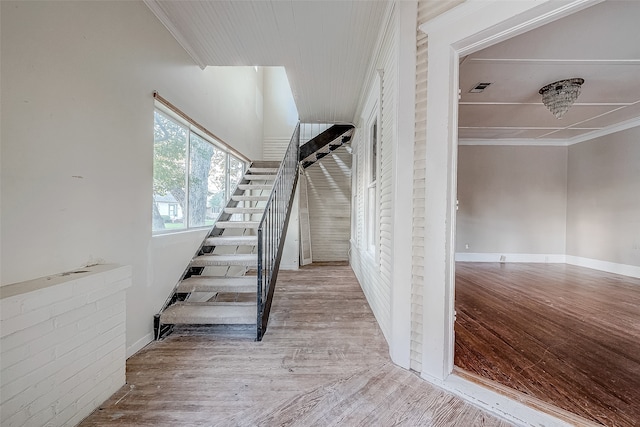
x=326, y=47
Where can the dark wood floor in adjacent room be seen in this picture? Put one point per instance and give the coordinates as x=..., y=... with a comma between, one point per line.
x=567, y=335
x=323, y=362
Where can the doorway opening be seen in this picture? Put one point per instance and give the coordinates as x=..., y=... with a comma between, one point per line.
x=531, y=216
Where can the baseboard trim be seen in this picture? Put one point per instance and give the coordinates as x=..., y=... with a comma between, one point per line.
x=509, y=257
x=609, y=267
x=516, y=407
x=139, y=345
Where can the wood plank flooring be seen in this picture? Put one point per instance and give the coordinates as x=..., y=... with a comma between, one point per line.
x=567, y=335
x=323, y=362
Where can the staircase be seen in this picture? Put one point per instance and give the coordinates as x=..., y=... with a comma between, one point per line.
x=231, y=279
x=219, y=286
x=324, y=143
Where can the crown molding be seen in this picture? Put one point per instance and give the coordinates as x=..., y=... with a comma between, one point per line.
x=549, y=142
x=513, y=142
x=157, y=10
x=618, y=127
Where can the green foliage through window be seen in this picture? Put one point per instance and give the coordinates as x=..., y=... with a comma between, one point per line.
x=189, y=194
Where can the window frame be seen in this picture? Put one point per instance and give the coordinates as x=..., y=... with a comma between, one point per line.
x=204, y=135
x=371, y=172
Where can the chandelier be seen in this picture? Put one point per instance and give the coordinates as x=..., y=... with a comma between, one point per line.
x=559, y=96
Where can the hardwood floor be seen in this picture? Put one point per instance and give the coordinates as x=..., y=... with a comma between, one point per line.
x=323, y=362
x=567, y=335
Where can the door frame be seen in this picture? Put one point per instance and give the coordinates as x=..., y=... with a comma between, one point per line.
x=471, y=26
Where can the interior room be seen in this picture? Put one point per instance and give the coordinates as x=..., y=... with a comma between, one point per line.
x=547, y=238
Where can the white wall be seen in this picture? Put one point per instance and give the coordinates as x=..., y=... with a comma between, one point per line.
x=511, y=199
x=63, y=345
x=77, y=141
x=372, y=265
x=280, y=113
x=384, y=271
x=329, y=197
x=603, y=208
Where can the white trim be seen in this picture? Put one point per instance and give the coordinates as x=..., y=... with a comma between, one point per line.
x=510, y=257
x=596, y=133
x=595, y=264
x=402, y=187
x=618, y=127
x=373, y=61
x=469, y=27
x=515, y=142
x=139, y=345
x=157, y=10
x=496, y=403
x=609, y=267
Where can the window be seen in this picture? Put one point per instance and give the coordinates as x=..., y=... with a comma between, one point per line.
x=189, y=194
x=374, y=150
x=207, y=182
x=372, y=205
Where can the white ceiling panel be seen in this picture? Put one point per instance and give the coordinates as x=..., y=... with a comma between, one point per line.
x=501, y=133
x=618, y=116
x=520, y=81
x=525, y=115
x=565, y=134
x=608, y=31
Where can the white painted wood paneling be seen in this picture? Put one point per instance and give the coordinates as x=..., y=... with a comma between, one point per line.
x=388, y=134
x=305, y=226
x=329, y=197
x=274, y=148
x=417, y=243
x=374, y=268
x=427, y=10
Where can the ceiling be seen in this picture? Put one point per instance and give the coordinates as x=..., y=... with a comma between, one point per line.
x=327, y=49
x=600, y=44
x=325, y=46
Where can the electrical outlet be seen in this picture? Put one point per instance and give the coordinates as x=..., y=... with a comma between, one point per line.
x=466, y=246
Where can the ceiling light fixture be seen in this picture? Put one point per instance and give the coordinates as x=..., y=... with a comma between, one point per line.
x=559, y=96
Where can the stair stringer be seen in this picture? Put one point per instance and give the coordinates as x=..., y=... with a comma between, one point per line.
x=179, y=295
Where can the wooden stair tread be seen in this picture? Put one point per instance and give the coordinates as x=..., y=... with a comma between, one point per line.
x=264, y=171
x=249, y=187
x=249, y=260
x=208, y=313
x=251, y=211
x=250, y=198
x=237, y=224
x=259, y=177
x=243, y=284
x=231, y=241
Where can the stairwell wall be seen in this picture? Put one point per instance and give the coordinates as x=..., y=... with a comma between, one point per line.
x=77, y=141
x=329, y=197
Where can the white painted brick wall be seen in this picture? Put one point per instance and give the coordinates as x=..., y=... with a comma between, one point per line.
x=62, y=345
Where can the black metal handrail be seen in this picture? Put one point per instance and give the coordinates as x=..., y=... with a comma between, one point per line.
x=273, y=229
